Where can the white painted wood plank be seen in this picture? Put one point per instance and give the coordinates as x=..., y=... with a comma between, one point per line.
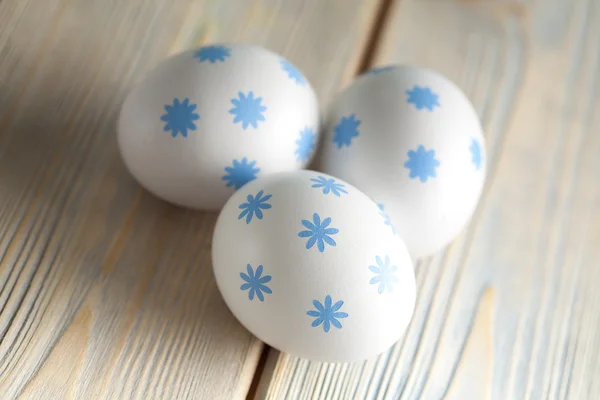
x=510, y=310
x=105, y=291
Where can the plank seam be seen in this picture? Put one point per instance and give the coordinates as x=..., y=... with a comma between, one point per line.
x=373, y=41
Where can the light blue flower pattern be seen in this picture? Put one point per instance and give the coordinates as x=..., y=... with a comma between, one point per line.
x=386, y=218
x=254, y=206
x=293, y=72
x=240, y=173
x=254, y=283
x=476, y=153
x=306, y=144
x=329, y=185
x=248, y=110
x=318, y=232
x=422, y=163
x=345, y=130
x=327, y=314
x=180, y=117
x=384, y=275
x=422, y=97
x=212, y=54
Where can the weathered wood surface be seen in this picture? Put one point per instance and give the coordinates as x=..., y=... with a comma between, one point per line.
x=105, y=291
x=512, y=309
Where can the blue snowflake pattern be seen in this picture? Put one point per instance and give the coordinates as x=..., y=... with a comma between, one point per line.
x=248, y=110
x=345, y=130
x=329, y=185
x=476, y=153
x=254, y=206
x=255, y=283
x=386, y=218
x=379, y=70
x=180, y=117
x=384, y=275
x=327, y=314
x=318, y=232
x=240, y=173
x=306, y=144
x=293, y=72
x=422, y=164
x=212, y=54
x=422, y=97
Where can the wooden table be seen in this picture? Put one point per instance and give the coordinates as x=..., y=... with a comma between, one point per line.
x=107, y=292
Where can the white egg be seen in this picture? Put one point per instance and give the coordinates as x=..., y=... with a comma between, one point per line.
x=412, y=141
x=310, y=266
x=208, y=120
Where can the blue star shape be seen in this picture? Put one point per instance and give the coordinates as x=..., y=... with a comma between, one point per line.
x=386, y=218
x=318, y=232
x=384, y=275
x=248, y=110
x=240, y=173
x=379, y=70
x=327, y=314
x=212, y=54
x=422, y=97
x=329, y=185
x=306, y=144
x=255, y=283
x=180, y=117
x=293, y=72
x=254, y=206
x=422, y=164
x=476, y=153
x=345, y=130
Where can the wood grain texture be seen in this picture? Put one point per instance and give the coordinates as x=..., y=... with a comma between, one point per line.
x=511, y=309
x=105, y=291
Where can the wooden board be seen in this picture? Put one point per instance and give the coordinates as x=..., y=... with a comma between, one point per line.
x=511, y=309
x=105, y=291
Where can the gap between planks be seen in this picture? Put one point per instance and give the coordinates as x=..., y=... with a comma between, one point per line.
x=367, y=54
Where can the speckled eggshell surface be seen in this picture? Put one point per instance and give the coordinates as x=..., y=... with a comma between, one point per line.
x=311, y=266
x=412, y=141
x=208, y=120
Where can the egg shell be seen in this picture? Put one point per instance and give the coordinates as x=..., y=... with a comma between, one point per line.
x=208, y=120
x=359, y=262
x=411, y=140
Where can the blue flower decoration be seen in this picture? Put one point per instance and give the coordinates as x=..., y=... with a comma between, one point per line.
x=293, y=72
x=327, y=314
x=384, y=275
x=422, y=97
x=329, y=186
x=476, y=153
x=254, y=206
x=255, y=283
x=345, y=130
x=306, y=144
x=212, y=54
x=379, y=70
x=422, y=164
x=180, y=117
x=240, y=173
x=386, y=218
x=247, y=110
x=318, y=232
